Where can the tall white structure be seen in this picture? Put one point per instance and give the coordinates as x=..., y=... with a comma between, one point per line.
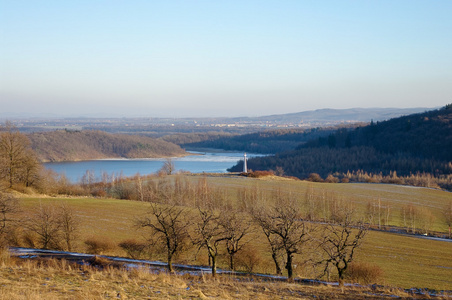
x=245, y=169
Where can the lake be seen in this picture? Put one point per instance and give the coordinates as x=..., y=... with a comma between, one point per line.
x=199, y=162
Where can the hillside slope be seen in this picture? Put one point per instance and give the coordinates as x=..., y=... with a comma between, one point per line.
x=270, y=141
x=410, y=144
x=63, y=145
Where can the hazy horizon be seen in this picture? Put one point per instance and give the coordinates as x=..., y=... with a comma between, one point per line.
x=44, y=116
x=221, y=59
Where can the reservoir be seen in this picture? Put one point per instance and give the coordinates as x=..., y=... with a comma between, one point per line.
x=198, y=162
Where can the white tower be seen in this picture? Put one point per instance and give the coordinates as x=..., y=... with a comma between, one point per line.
x=245, y=169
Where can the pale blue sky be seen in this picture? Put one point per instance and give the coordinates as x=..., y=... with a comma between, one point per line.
x=222, y=58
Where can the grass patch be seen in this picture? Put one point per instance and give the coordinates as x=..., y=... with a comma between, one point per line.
x=59, y=279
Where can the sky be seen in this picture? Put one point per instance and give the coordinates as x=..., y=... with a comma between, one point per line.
x=221, y=58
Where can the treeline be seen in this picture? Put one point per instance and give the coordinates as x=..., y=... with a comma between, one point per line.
x=186, y=139
x=408, y=146
x=271, y=141
x=66, y=145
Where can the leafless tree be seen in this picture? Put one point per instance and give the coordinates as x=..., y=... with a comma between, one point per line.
x=88, y=179
x=209, y=234
x=9, y=206
x=170, y=227
x=411, y=215
x=69, y=225
x=18, y=162
x=285, y=228
x=168, y=167
x=236, y=228
x=261, y=217
x=45, y=223
x=448, y=216
x=340, y=241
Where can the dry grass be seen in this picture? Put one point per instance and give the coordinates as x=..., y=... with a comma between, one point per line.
x=58, y=279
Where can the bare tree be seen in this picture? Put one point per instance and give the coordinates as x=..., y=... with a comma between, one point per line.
x=168, y=167
x=411, y=215
x=170, y=226
x=9, y=205
x=261, y=217
x=311, y=203
x=209, y=234
x=448, y=216
x=45, y=223
x=340, y=242
x=69, y=225
x=17, y=160
x=285, y=229
x=236, y=228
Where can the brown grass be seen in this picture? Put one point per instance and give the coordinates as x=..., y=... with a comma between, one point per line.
x=364, y=273
x=59, y=279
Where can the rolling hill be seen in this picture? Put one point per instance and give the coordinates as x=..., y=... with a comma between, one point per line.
x=415, y=143
x=65, y=145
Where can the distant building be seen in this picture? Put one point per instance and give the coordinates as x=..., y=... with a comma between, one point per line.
x=245, y=169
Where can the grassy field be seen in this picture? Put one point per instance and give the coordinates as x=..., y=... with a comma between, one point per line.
x=406, y=261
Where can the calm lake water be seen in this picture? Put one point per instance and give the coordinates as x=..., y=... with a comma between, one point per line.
x=209, y=162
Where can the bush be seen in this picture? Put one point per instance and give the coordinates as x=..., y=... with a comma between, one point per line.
x=97, y=246
x=314, y=177
x=332, y=179
x=259, y=174
x=364, y=273
x=134, y=248
x=248, y=259
x=29, y=240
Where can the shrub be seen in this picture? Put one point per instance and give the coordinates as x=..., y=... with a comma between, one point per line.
x=259, y=174
x=29, y=240
x=97, y=246
x=248, y=259
x=314, y=177
x=332, y=179
x=364, y=273
x=133, y=248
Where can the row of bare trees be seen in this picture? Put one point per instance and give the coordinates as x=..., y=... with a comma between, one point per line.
x=214, y=224
x=322, y=205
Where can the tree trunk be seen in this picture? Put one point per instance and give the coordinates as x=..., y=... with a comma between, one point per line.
x=231, y=261
x=340, y=273
x=289, y=267
x=170, y=263
x=214, y=265
x=278, y=268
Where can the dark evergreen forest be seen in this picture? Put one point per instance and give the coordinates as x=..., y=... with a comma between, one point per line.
x=418, y=143
x=266, y=142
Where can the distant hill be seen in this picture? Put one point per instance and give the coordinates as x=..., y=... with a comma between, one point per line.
x=266, y=142
x=65, y=145
x=415, y=143
x=335, y=116
x=277, y=140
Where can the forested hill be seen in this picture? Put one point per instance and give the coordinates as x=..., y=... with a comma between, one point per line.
x=415, y=143
x=270, y=141
x=426, y=135
x=64, y=145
